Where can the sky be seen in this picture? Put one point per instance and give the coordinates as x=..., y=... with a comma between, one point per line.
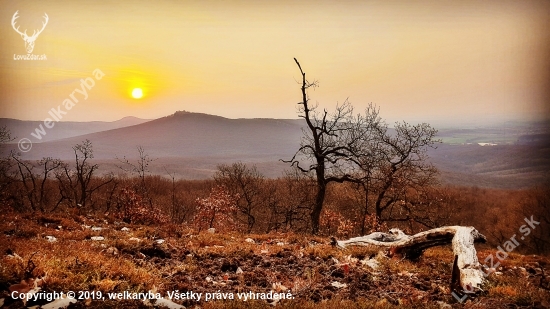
x=443, y=62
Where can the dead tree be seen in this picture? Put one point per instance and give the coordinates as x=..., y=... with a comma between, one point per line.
x=247, y=182
x=141, y=168
x=397, y=178
x=77, y=186
x=7, y=179
x=34, y=185
x=462, y=239
x=331, y=143
x=404, y=172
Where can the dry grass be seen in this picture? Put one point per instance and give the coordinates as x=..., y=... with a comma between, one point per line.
x=132, y=261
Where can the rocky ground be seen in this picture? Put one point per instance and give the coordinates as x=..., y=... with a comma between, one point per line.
x=42, y=254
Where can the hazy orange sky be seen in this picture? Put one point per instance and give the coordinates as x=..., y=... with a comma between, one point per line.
x=438, y=61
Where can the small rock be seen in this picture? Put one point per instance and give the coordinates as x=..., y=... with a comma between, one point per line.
x=163, y=302
x=523, y=270
x=211, y=230
x=372, y=263
x=443, y=305
x=265, y=251
x=249, y=240
x=96, y=228
x=125, y=229
x=134, y=239
x=51, y=238
x=97, y=238
x=273, y=302
x=208, y=279
x=159, y=241
x=351, y=260
x=491, y=270
x=277, y=286
x=112, y=250
x=59, y=303
x=239, y=271
x=338, y=285
x=280, y=244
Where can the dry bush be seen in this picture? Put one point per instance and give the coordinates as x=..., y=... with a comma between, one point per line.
x=133, y=209
x=333, y=223
x=218, y=210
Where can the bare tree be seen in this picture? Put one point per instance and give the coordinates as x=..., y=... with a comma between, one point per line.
x=344, y=147
x=34, y=184
x=331, y=143
x=177, y=213
x=247, y=183
x=272, y=202
x=6, y=177
x=404, y=173
x=141, y=168
x=77, y=186
x=298, y=200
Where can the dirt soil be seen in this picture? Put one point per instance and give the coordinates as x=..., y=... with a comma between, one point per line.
x=172, y=258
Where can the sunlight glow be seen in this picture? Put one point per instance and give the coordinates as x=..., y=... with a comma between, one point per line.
x=137, y=93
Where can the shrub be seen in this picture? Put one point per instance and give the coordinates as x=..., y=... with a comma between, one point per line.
x=333, y=223
x=217, y=211
x=134, y=210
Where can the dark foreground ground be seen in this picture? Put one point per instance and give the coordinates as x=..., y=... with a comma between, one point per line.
x=62, y=254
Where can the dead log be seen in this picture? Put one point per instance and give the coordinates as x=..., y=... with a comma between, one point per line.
x=462, y=239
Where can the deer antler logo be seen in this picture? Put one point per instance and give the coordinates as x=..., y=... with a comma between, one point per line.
x=29, y=40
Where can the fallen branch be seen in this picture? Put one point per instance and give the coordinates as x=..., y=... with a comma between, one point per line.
x=462, y=239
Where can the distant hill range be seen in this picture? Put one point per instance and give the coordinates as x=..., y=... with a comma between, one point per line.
x=532, y=139
x=64, y=129
x=192, y=144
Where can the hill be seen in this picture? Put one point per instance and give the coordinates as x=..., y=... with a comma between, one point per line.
x=64, y=129
x=186, y=135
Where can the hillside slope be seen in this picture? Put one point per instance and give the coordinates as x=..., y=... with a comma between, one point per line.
x=64, y=129
x=186, y=135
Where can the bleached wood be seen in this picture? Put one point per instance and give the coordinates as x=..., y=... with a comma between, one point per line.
x=462, y=239
x=471, y=274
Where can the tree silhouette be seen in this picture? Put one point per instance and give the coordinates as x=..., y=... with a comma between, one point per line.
x=331, y=143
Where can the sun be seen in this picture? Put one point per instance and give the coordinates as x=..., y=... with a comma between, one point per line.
x=137, y=93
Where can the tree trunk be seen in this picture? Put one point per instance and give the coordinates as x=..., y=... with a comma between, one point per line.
x=462, y=239
x=318, y=207
x=365, y=209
